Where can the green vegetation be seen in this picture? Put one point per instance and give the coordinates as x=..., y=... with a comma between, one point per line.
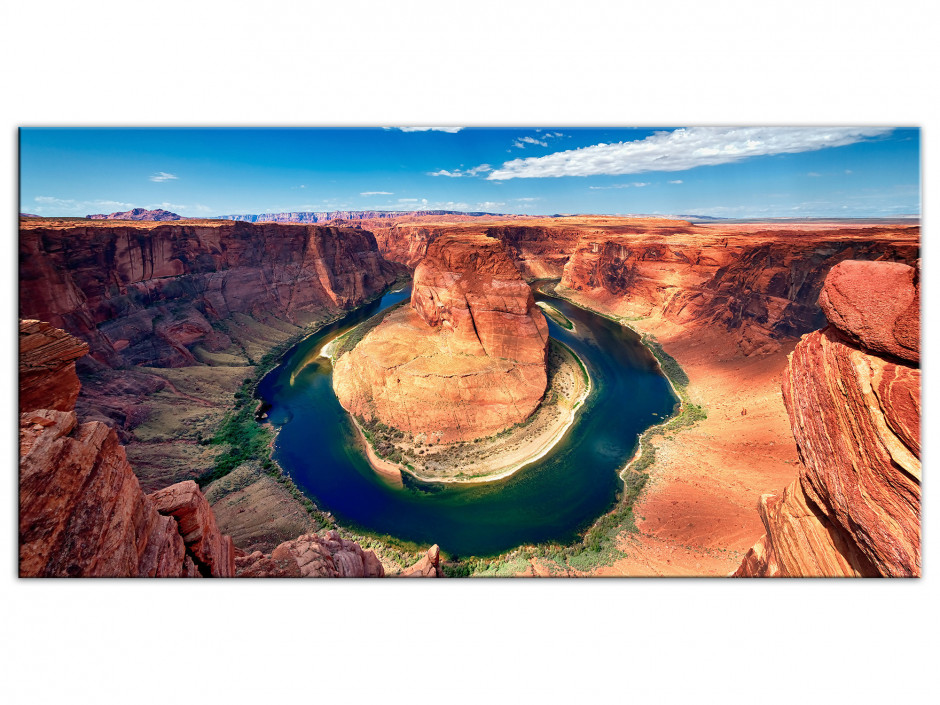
x=667, y=362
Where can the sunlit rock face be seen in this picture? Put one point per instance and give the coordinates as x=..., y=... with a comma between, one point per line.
x=852, y=392
x=147, y=293
x=465, y=360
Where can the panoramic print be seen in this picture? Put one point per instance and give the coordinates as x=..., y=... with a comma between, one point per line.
x=463, y=352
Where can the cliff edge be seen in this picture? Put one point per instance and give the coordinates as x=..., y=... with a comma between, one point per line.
x=852, y=391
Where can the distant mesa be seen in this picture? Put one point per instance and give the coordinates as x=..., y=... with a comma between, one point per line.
x=327, y=216
x=466, y=360
x=137, y=214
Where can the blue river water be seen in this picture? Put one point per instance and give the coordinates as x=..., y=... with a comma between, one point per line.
x=552, y=499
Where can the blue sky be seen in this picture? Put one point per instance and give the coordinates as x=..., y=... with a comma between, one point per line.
x=741, y=172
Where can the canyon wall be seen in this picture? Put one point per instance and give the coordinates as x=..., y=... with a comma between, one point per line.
x=852, y=391
x=760, y=282
x=148, y=293
x=82, y=512
x=466, y=360
x=760, y=286
x=539, y=251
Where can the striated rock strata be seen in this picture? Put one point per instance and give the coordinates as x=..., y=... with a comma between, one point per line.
x=47, y=367
x=466, y=360
x=82, y=512
x=149, y=293
x=852, y=392
x=761, y=286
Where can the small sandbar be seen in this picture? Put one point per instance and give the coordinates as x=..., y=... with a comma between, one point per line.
x=496, y=457
x=556, y=315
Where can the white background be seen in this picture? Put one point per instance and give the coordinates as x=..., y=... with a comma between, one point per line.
x=479, y=63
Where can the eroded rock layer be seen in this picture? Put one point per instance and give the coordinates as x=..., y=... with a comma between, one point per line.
x=47, y=367
x=760, y=282
x=312, y=556
x=82, y=512
x=761, y=286
x=855, y=414
x=147, y=293
x=466, y=360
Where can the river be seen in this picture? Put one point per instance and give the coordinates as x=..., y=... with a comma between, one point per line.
x=551, y=500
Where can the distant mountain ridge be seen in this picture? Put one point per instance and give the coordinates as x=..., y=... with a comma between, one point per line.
x=137, y=214
x=325, y=216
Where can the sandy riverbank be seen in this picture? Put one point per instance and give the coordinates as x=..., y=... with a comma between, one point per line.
x=496, y=458
x=698, y=513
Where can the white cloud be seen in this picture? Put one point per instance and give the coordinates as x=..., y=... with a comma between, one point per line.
x=848, y=171
x=812, y=173
x=161, y=176
x=530, y=198
x=676, y=181
x=425, y=129
x=377, y=193
x=523, y=141
x=488, y=205
x=635, y=184
x=683, y=149
x=407, y=200
x=456, y=173
x=69, y=206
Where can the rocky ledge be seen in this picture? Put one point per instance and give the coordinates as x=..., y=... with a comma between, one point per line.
x=852, y=391
x=83, y=513
x=465, y=361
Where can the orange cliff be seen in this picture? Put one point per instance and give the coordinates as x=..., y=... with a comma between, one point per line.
x=147, y=293
x=852, y=391
x=466, y=360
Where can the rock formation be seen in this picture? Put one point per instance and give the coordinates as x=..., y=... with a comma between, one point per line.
x=47, y=367
x=760, y=286
x=148, y=293
x=137, y=214
x=82, y=512
x=760, y=282
x=466, y=360
x=428, y=567
x=852, y=392
x=312, y=556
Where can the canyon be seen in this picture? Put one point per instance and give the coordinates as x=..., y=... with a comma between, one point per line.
x=176, y=316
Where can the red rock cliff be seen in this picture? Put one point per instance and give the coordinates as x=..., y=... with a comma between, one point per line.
x=465, y=361
x=82, y=512
x=760, y=285
x=852, y=392
x=146, y=293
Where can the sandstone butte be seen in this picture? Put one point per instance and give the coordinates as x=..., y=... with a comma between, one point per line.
x=466, y=360
x=852, y=391
x=83, y=514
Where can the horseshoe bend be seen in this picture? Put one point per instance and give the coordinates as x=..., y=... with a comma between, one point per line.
x=370, y=393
